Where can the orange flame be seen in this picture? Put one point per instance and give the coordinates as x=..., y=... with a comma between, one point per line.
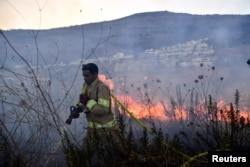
x=107, y=81
x=159, y=110
x=140, y=110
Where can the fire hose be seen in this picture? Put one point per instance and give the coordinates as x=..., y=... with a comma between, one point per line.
x=139, y=122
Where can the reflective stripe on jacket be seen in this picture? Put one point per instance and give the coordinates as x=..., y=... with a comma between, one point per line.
x=108, y=124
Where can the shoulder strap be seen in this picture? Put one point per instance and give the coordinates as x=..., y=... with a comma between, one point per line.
x=97, y=89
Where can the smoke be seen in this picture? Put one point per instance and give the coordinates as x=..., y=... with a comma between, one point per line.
x=150, y=58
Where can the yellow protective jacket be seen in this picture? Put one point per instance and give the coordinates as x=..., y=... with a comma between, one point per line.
x=99, y=105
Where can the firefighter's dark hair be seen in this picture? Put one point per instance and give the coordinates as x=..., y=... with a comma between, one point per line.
x=91, y=67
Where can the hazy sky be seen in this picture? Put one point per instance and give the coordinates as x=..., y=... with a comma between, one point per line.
x=43, y=14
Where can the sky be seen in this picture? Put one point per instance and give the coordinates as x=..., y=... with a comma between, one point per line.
x=46, y=14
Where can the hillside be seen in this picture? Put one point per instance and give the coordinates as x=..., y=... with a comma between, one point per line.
x=143, y=31
x=148, y=43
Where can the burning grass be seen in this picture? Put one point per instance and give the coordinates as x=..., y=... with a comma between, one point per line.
x=172, y=132
x=216, y=129
x=175, y=134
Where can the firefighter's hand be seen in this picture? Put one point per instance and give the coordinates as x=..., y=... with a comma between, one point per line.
x=83, y=99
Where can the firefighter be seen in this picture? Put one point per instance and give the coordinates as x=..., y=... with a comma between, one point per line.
x=95, y=102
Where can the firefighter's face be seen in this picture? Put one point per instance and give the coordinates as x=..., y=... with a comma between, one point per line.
x=88, y=77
